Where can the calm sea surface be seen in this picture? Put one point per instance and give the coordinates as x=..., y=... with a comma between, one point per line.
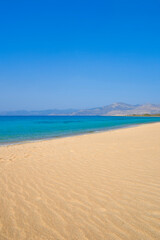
x=17, y=129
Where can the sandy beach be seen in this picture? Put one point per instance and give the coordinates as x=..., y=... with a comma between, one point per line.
x=103, y=186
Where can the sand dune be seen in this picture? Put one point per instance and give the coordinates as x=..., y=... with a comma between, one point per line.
x=102, y=186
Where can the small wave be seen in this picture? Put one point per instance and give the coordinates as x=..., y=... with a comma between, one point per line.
x=71, y=121
x=53, y=122
x=46, y=122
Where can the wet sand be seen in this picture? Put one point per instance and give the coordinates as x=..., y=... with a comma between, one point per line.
x=101, y=186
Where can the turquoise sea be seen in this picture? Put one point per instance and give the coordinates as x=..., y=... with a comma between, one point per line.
x=17, y=129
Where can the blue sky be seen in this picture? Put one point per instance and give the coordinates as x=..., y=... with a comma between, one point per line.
x=78, y=54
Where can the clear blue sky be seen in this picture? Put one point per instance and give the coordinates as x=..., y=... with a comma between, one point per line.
x=78, y=54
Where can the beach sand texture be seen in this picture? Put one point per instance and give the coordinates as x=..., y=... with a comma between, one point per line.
x=103, y=186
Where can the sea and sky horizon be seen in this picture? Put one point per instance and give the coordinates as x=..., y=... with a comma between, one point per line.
x=79, y=54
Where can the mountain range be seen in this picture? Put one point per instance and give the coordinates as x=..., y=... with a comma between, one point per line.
x=115, y=109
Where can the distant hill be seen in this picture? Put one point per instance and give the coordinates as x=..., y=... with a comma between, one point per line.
x=121, y=109
x=115, y=109
x=112, y=109
x=39, y=113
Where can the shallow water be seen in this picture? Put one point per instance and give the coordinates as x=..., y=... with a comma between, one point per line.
x=30, y=128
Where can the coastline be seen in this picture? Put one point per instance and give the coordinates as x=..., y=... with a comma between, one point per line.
x=97, y=186
x=75, y=134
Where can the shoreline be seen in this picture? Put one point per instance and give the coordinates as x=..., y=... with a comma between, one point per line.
x=74, y=135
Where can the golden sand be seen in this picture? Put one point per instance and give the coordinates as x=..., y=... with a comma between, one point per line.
x=102, y=186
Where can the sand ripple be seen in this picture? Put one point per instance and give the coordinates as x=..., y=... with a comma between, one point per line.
x=98, y=186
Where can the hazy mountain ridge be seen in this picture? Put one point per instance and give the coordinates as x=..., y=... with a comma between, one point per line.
x=115, y=109
x=39, y=113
